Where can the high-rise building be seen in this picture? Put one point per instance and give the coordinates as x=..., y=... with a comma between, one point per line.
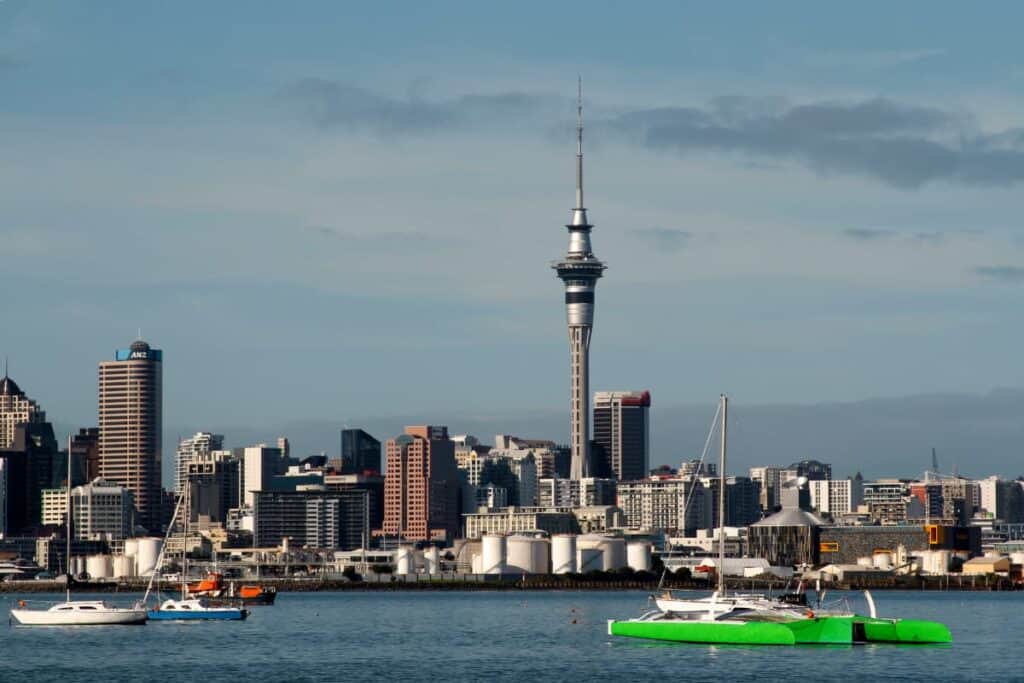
x=102, y=512
x=580, y=271
x=837, y=496
x=85, y=453
x=360, y=452
x=769, y=480
x=260, y=464
x=573, y=493
x=421, y=485
x=131, y=426
x=622, y=429
x=317, y=519
x=214, y=485
x=192, y=448
x=15, y=409
x=672, y=504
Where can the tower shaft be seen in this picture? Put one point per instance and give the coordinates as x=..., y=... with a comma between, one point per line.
x=579, y=271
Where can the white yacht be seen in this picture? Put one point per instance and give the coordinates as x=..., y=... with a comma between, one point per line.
x=76, y=612
x=79, y=613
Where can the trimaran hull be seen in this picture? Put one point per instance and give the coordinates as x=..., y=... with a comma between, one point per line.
x=826, y=630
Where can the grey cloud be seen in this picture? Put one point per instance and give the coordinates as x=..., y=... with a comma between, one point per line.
x=390, y=239
x=666, y=239
x=932, y=239
x=333, y=104
x=867, y=235
x=9, y=61
x=900, y=145
x=1009, y=274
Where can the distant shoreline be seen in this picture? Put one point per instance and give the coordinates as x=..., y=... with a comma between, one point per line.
x=533, y=583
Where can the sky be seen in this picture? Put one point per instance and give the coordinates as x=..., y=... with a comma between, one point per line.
x=343, y=212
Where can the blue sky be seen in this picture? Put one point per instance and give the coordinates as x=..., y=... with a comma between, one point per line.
x=324, y=210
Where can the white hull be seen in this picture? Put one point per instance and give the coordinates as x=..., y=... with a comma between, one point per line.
x=79, y=614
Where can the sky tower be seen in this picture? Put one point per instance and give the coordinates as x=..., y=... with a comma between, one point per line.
x=579, y=270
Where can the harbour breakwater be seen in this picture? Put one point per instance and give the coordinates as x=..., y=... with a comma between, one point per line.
x=563, y=582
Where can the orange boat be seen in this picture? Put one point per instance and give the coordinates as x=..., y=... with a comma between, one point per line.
x=213, y=587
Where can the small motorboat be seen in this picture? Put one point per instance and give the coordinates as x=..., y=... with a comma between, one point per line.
x=191, y=609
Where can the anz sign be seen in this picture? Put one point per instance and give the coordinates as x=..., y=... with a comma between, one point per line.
x=128, y=354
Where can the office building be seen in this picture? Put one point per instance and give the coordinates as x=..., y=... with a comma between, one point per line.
x=674, y=505
x=360, y=452
x=768, y=479
x=214, y=481
x=812, y=470
x=192, y=448
x=421, y=485
x=315, y=519
x=836, y=497
x=260, y=464
x=559, y=520
x=373, y=484
x=579, y=271
x=102, y=511
x=622, y=430
x=15, y=408
x=85, y=454
x=570, y=493
x=131, y=427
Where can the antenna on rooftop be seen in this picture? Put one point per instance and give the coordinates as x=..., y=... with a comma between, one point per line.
x=935, y=461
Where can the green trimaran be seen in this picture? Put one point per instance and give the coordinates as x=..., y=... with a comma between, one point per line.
x=759, y=620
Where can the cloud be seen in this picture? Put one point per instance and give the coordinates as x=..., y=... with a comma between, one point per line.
x=901, y=145
x=874, y=59
x=1006, y=274
x=332, y=104
x=867, y=235
x=665, y=239
x=931, y=239
x=904, y=146
x=382, y=239
x=9, y=61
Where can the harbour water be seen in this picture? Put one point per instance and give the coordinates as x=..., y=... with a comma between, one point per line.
x=475, y=636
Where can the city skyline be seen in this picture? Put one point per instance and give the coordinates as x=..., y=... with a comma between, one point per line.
x=796, y=272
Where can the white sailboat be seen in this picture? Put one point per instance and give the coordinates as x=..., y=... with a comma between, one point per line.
x=77, y=612
x=720, y=603
x=186, y=608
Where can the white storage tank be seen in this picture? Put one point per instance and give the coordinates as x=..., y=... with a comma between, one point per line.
x=882, y=560
x=495, y=552
x=563, y=554
x=99, y=567
x=131, y=547
x=939, y=561
x=405, y=560
x=77, y=565
x=1016, y=558
x=528, y=555
x=638, y=555
x=613, y=550
x=148, y=553
x=864, y=561
x=477, y=563
x=432, y=560
x=589, y=560
x=124, y=566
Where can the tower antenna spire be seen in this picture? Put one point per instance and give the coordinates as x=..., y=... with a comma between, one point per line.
x=579, y=142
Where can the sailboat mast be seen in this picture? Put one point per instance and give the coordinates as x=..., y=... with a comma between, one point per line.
x=721, y=499
x=67, y=529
